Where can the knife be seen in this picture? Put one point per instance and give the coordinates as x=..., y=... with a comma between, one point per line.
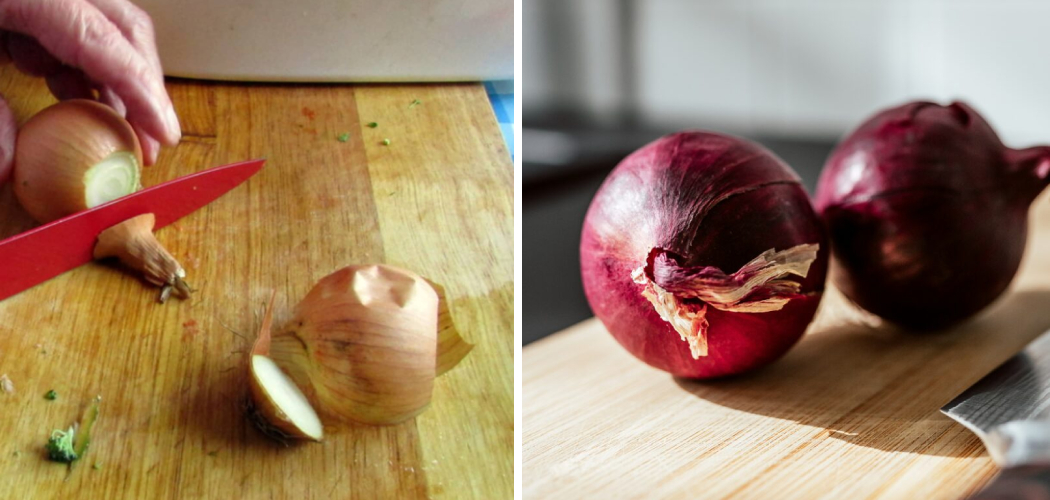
x=1009, y=410
x=47, y=251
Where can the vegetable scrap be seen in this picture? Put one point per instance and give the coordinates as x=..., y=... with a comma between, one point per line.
x=67, y=446
x=345, y=136
x=372, y=124
x=386, y=142
x=51, y=395
x=6, y=386
x=60, y=446
x=414, y=103
x=133, y=243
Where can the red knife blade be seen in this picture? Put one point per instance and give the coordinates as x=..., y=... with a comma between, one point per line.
x=37, y=255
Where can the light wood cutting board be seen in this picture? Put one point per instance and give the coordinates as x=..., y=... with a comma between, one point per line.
x=850, y=412
x=437, y=200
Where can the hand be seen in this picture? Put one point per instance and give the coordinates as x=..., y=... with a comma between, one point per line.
x=85, y=46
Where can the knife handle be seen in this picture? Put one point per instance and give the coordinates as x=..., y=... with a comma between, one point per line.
x=1027, y=482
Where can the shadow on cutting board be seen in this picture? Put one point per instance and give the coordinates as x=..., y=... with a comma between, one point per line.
x=371, y=461
x=13, y=218
x=882, y=387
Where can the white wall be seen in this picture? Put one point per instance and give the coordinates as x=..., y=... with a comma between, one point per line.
x=806, y=67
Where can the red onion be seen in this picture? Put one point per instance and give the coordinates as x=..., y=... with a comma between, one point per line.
x=702, y=255
x=927, y=212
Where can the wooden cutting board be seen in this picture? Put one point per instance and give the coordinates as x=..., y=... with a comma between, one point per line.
x=850, y=412
x=437, y=200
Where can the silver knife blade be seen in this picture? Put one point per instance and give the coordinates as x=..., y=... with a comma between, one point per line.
x=1009, y=409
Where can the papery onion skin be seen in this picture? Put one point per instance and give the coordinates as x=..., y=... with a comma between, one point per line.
x=57, y=146
x=363, y=344
x=927, y=213
x=713, y=200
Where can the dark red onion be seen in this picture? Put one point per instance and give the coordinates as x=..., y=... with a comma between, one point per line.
x=691, y=221
x=927, y=212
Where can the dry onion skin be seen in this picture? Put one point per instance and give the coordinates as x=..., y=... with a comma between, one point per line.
x=451, y=347
x=364, y=346
x=79, y=154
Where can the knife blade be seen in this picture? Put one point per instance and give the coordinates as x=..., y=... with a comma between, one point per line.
x=37, y=255
x=1009, y=410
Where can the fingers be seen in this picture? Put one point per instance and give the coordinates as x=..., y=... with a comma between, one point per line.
x=136, y=26
x=150, y=147
x=83, y=37
x=109, y=98
x=69, y=83
x=8, y=133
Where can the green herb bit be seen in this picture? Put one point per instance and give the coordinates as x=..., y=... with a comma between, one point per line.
x=60, y=446
x=51, y=395
x=18, y=454
x=97, y=466
x=372, y=124
x=344, y=137
x=69, y=445
x=386, y=142
x=415, y=102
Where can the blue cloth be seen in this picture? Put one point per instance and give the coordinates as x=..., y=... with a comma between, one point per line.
x=501, y=95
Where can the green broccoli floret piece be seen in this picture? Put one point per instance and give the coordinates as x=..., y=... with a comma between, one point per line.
x=60, y=446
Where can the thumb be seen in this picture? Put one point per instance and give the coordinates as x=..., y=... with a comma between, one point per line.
x=8, y=133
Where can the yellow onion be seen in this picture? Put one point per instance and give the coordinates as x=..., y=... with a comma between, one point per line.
x=79, y=154
x=73, y=156
x=364, y=345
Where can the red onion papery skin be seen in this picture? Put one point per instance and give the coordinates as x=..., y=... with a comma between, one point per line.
x=927, y=213
x=708, y=200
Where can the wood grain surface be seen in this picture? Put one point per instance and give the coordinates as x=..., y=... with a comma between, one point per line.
x=437, y=200
x=850, y=412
